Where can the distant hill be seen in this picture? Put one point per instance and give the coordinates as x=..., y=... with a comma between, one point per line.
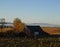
x=40, y=24
x=43, y=24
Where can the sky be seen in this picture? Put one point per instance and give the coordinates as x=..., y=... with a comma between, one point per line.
x=31, y=11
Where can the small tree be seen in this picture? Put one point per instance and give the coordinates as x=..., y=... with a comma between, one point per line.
x=18, y=25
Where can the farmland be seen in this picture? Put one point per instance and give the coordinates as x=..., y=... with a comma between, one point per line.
x=33, y=42
x=52, y=30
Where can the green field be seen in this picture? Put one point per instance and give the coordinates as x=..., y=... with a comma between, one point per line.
x=28, y=42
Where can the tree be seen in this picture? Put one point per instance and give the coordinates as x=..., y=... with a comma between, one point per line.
x=18, y=25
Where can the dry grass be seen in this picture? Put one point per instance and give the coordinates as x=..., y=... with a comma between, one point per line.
x=5, y=29
x=52, y=30
x=42, y=42
x=19, y=42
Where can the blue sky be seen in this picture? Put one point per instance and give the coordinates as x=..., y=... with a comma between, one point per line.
x=31, y=11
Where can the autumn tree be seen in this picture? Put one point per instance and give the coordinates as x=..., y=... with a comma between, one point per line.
x=18, y=25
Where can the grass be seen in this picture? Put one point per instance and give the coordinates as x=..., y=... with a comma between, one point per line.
x=52, y=30
x=28, y=42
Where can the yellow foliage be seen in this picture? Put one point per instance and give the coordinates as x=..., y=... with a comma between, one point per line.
x=18, y=25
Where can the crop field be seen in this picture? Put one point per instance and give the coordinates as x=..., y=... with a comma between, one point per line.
x=51, y=30
x=28, y=42
x=33, y=42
